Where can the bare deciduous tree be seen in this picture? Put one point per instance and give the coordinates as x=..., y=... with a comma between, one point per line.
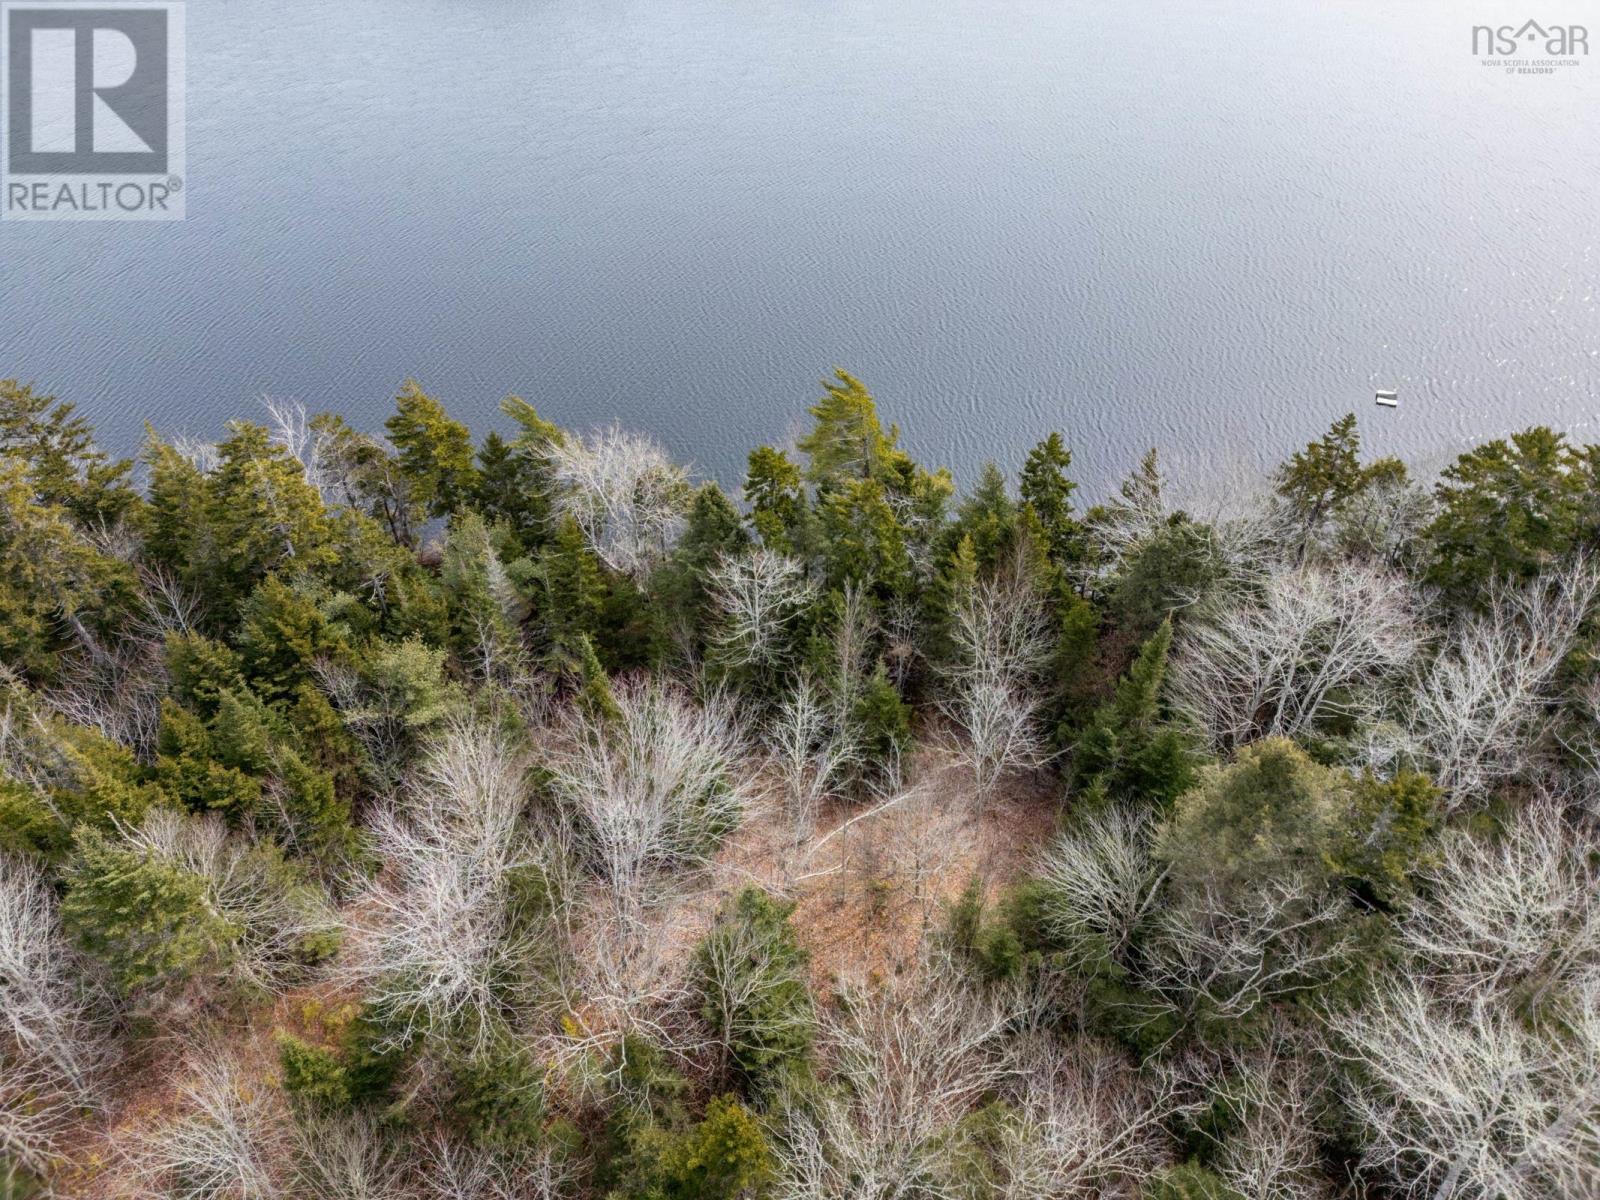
x=274, y=919
x=347, y=1158
x=1001, y=630
x=813, y=755
x=855, y=634
x=453, y=1170
x=902, y=629
x=624, y=492
x=168, y=607
x=1470, y=1100
x=1314, y=643
x=1128, y=519
x=1383, y=523
x=204, y=456
x=52, y=1046
x=1100, y=880
x=291, y=428
x=35, y=1113
x=230, y=1142
x=1259, y=1105
x=619, y=974
x=656, y=785
x=1001, y=721
x=758, y=596
x=1519, y=911
x=47, y=1005
x=439, y=941
x=1087, y=1126
x=114, y=687
x=911, y=1061
x=1479, y=710
x=1232, y=953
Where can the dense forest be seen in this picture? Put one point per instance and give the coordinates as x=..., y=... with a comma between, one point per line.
x=394, y=815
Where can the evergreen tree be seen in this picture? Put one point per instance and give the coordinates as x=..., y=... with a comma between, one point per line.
x=863, y=541
x=514, y=486
x=882, y=722
x=1047, y=490
x=1268, y=814
x=215, y=765
x=95, y=784
x=751, y=975
x=434, y=452
x=1324, y=475
x=266, y=515
x=362, y=474
x=222, y=532
x=1179, y=561
x=497, y=1092
x=1386, y=835
x=283, y=632
x=63, y=464
x=149, y=921
x=724, y=1157
x=956, y=578
x=51, y=576
x=378, y=586
x=486, y=611
x=1143, y=490
x=1188, y=1181
x=986, y=520
x=314, y=1077
x=1128, y=753
x=847, y=444
x=713, y=531
x=775, y=491
x=178, y=531
x=568, y=592
x=1508, y=510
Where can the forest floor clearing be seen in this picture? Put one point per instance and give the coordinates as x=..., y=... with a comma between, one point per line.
x=870, y=880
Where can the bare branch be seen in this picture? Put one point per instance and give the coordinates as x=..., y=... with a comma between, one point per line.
x=1480, y=709
x=624, y=492
x=1518, y=913
x=1471, y=1100
x=1100, y=880
x=52, y=1047
x=438, y=940
x=911, y=1061
x=656, y=786
x=231, y=1141
x=1316, y=643
x=1001, y=630
x=759, y=596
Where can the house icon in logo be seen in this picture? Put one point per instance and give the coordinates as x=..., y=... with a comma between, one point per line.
x=1505, y=41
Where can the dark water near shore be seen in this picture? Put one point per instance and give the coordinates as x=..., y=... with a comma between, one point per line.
x=1211, y=227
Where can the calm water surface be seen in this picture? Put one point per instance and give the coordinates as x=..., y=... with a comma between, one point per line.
x=1212, y=227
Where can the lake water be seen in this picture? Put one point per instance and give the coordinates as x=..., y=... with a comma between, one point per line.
x=1209, y=227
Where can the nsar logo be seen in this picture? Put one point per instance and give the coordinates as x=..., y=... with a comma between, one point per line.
x=1504, y=46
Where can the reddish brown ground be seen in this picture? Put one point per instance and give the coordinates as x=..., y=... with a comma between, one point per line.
x=868, y=886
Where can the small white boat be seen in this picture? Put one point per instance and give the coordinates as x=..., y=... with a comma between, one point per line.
x=1387, y=398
